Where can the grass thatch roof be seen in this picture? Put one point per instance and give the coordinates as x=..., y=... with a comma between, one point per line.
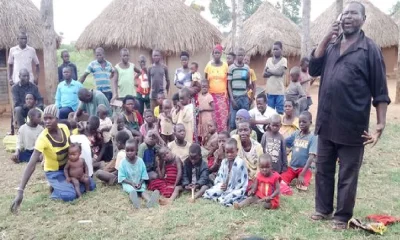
x=17, y=16
x=378, y=26
x=168, y=25
x=266, y=26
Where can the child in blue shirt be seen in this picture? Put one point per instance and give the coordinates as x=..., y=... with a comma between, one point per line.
x=304, y=152
x=132, y=175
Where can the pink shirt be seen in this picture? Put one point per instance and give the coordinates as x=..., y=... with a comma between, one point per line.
x=22, y=58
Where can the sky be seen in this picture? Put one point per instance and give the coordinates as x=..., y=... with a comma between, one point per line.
x=72, y=16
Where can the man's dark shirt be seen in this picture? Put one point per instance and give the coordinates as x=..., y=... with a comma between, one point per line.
x=348, y=82
x=74, y=72
x=19, y=92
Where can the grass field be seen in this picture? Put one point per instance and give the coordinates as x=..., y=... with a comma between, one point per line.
x=110, y=215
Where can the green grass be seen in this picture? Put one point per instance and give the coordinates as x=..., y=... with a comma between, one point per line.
x=112, y=216
x=81, y=59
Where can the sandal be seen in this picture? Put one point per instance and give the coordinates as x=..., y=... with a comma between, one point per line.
x=321, y=217
x=339, y=225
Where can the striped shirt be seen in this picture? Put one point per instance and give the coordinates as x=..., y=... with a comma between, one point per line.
x=101, y=75
x=239, y=77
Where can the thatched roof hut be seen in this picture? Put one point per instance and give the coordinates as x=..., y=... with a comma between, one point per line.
x=266, y=26
x=378, y=26
x=261, y=30
x=149, y=24
x=17, y=16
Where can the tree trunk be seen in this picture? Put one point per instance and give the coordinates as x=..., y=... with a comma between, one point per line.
x=397, y=99
x=239, y=23
x=305, y=34
x=49, y=50
x=339, y=7
x=234, y=24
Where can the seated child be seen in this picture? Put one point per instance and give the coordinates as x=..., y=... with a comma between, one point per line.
x=170, y=174
x=30, y=103
x=210, y=141
x=27, y=135
x=206, y=109
x=97, y=144
x=295, y=92
x=185, y=115
x=148, y=152
x=219, y=155
x=273, y=143
x=165, y=121
x=175, y=108
x=110, y=173
x=194, y=69
x=81, y=139
x=133, y=119
x=195, y=173
x=149, y=122
x=180, y=147
x=304, y=143
x=105, y=128
x=243, y=116
x=265, y=188
x=76, y=170
x=231, y=182
x=132, y=175
x=158, y=108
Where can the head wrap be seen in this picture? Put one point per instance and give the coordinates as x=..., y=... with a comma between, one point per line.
x=218, y=47
x=243, y=113
x=51, y=110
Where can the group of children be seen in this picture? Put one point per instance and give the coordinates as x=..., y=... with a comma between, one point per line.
x=176, y=147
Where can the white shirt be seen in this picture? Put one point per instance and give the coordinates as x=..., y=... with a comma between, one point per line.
x=22, y=58
x=257, y=115
x=86, y=151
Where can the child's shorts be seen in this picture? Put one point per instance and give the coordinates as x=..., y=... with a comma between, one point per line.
x=25, y=155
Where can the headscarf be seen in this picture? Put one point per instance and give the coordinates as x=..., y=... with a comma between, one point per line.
x=243, y=113
x=51, y=110
x=218, y=47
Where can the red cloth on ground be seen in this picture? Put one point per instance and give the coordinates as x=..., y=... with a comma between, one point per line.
x=166, y=185
x=291, y=174
x=266, y=186
x=385, y=219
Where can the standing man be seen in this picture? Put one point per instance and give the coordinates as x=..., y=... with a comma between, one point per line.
x=67, y=94
x=102, y=71
x=352, y=72
x=274, y=72
x=21, y=57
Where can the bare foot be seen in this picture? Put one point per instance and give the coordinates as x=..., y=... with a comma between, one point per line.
x=236, y=206
x=164, y=201
x=191, y=200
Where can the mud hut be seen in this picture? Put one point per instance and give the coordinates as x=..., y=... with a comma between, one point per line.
x=17, y=16
x=261, y=30
x=141, y=26
x=378, y=26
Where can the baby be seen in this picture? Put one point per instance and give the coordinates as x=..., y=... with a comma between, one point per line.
x=76, y=170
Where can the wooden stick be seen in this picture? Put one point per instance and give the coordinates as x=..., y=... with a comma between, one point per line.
x=193, y=193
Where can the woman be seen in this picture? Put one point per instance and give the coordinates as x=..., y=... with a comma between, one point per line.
x=248, y=149
x=290, y=123
x=216, y=72
x=183, y=75
x=53, y=143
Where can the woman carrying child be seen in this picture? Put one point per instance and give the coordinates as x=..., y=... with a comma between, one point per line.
x=231, y=182
x=52, y=143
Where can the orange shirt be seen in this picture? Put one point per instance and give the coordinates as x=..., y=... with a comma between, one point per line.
x=217, y=78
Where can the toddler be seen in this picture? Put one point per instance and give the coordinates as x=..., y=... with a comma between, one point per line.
x=149, y=122
x=158, y=108
x=148, y=152
x=76, y=170
x=218, y=156
x=265, y=188
x=180, y=147
x=206, y=109
x=295, y=91
x=165, y=122
x=185, y=115
x=132, y=175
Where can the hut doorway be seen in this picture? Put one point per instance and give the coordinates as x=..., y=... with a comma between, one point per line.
x=4, y=98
